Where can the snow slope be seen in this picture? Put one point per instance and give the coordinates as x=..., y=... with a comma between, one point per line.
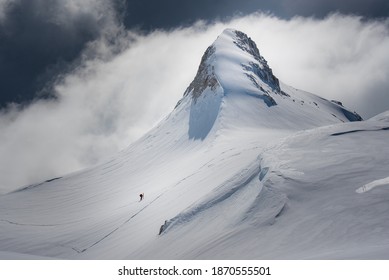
x=244, y=167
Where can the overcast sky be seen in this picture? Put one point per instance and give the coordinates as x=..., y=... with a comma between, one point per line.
x=80, y=80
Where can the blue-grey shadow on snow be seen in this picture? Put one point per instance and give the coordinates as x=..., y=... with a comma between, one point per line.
x=269, y=101
x=358, y=130
x=203, y=114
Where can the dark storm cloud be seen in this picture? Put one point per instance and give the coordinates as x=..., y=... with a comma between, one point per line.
x=116, y=84
x=321, y=8
x=38, y=39
x=172, y=13
x=105, y=104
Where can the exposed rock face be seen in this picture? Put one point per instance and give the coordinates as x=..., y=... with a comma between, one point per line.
x=205, y=76
x=234, y=65
x=257, y=72
x=260, y=69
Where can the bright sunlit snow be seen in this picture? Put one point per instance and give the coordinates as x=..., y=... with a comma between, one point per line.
x=244, y=167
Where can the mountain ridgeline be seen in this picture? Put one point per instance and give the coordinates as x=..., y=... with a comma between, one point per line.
x=235, y=171
x=233, y=66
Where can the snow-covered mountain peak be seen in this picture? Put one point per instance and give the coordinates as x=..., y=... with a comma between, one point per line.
x=235, y=87
x=245, y=167
x=232, y=61
x=259, y=68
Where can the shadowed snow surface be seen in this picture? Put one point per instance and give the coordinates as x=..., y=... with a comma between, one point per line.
x=244, y=167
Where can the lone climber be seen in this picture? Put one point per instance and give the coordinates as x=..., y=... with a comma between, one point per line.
x=142, y=195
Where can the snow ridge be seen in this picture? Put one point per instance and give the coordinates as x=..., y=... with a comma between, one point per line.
x=260, y=69
x=245, y=167
x=221, y=194
x=256, y=69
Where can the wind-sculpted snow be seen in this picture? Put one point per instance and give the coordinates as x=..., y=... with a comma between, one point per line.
x=327, y=216
x=251, y=201
x=376, y=183
x=219, y=195
x=358, y=130
x=244, y=167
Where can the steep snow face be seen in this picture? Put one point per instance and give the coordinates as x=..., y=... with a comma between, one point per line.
x=241, y=68
x=230, y=62
x=207, y=170
x=235, y=87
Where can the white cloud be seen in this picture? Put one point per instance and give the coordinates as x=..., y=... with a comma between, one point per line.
x=113, y=98
x=338, y=58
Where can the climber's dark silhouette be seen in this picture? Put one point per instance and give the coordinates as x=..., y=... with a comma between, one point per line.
x=142, y=195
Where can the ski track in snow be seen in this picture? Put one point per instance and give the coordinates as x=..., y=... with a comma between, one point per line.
x=116, y=229
x=206, y=165
x=32, y=225
x=197, y=168
x=120, y=226
x=134, y=215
